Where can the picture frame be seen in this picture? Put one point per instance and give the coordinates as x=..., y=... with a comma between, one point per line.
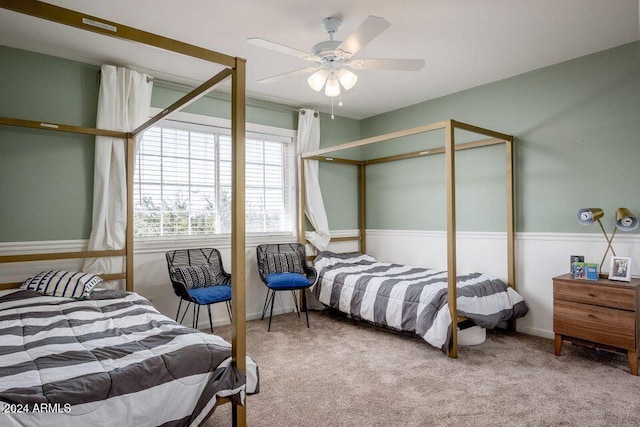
x=573, y=259
x=592, y=271
x=620, y=268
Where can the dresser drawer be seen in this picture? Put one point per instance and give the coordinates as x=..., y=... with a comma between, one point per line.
x=595, y=294
x=592, y=323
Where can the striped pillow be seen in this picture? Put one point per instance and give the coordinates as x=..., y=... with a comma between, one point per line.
x=199, y=276
x=60, y=283
x=284, y=262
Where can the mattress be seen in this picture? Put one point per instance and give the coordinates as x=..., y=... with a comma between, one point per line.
x=111, y=360
x=409, y=298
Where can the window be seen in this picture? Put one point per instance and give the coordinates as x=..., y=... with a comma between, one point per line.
x=182, y=182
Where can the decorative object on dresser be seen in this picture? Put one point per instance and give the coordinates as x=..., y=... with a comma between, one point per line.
x=592, y=271
x=625, y=221
x=601, y=314
x=579, y=270
x=574, y=259
x=620, y=268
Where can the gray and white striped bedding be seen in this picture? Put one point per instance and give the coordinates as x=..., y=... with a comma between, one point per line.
x=111, y=360
x=411, y=299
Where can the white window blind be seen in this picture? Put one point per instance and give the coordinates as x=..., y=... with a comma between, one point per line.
x=182, y=182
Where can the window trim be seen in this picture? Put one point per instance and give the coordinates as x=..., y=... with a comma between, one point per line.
x=223, y=126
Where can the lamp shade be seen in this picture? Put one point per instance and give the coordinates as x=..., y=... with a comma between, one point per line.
x=317, y=79
x=333, y=87
x=587, y=216
x=625, y=220
x=347, y=78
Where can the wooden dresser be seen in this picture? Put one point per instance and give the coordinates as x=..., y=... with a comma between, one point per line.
x=601, y=314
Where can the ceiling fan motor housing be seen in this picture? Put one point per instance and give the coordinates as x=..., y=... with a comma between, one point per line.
x=327, y=50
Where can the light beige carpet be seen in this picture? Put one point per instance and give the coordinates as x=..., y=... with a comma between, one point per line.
x=345, y=373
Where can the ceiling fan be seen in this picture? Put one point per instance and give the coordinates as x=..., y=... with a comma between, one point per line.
x=333, y=58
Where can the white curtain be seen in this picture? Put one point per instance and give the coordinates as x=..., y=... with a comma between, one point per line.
x=309, y=140
x=123, y=105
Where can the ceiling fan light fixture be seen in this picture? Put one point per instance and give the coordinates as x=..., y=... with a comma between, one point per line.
x=347, y=78
x=332, y=59
x=332, y=87
x=318, y=79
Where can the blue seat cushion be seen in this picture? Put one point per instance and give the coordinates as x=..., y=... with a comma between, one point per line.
x=210, y=294
x=285, y=281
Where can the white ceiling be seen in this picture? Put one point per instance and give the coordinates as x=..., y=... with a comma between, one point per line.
x=465, y=43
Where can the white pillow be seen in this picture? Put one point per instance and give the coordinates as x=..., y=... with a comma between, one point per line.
x=60, y=283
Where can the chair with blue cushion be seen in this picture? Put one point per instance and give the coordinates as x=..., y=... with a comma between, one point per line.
x=283, y=267
x=198, y=277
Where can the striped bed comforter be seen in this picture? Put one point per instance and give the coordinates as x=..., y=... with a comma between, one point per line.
x=409, y=298
x=111, y=360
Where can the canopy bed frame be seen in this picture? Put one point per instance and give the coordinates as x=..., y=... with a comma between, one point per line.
x=235, y=68
x=449, y=149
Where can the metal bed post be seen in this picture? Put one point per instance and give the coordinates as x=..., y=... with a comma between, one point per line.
x=450, y=171
x=129, y=229
x=362, y=206
x=238, y=250
x=511, y=235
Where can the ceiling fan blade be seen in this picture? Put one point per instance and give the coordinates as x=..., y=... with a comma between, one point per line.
x=371, y=28
x=288, y=73
x=256, y=41
x=387, y=64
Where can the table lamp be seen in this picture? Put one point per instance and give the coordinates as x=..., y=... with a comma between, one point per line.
x=625, y=221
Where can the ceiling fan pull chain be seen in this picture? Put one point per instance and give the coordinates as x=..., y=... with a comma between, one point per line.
x=332, y=117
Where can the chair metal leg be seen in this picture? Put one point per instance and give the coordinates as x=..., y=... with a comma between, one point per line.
x=295, y=301
x=304, y=305
x=210, y=321
x=229, y=311
x=193, y=319
x=273, y=297
x=266, y=303
x=185, y=313
x=178, y=313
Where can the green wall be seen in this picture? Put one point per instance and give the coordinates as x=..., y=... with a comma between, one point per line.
x=577, y=130
x=47, y=177
x=47, y=183
x=577, y=127
x=339, y=183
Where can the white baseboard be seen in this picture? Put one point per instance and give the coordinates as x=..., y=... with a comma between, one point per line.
x=535, y=331
x=204, y=324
